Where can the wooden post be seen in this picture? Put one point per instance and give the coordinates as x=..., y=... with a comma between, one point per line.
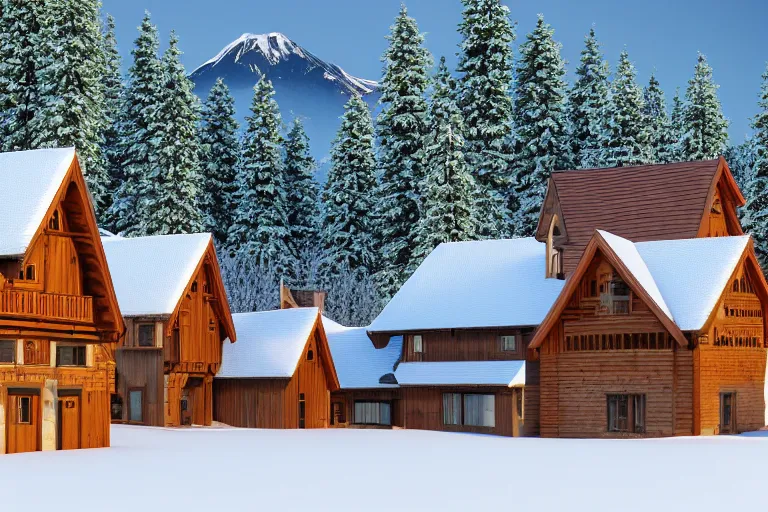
x=52, y=358
x=3, y=399
x=49, y=396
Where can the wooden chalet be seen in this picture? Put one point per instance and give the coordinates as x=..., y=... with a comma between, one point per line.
x=656, y=338
x=279, y=374
x=177, y=315
x=59, y=316
x=640, y=203
x=466, y=317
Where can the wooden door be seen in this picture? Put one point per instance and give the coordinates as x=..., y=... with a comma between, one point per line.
x=728, y=413
x=68, y=425
x=23, y=423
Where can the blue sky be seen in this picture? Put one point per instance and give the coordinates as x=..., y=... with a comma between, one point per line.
x=660, y=35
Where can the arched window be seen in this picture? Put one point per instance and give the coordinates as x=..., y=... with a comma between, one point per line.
x=554, y=255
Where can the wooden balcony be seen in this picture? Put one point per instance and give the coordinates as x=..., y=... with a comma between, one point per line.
x=54, y=306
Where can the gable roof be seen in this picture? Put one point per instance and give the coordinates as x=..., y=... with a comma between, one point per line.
x=641, y=203
x=358, y=363
x=680, y=280
x=271, y=344
x=31, y=180
x=462, y=373
x=485, y=283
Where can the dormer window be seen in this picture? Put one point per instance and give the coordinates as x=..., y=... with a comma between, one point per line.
x=27, y=273
x=554, y=254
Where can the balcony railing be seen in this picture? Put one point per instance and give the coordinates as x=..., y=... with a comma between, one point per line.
x=55, y=306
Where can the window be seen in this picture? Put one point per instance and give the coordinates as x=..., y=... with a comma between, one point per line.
x=418, y=345
x=626, y=413
x=116, y=407
x=136, y=405
x=70, y=355
x=310, y=355
x=480, y=410
x=194, y=286
x=509, y=343
x=373, y=413
x=23, y=404
x=302, y=410
x=146, y=335
x=554, y=255
x=54, y=222
x=727, y=413
x=452, y=408
x=27, y=273
x=7, y=351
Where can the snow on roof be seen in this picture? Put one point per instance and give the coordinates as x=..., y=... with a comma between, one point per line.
x=692, y=274
x=269, y=343
x=150, y=273
x=459, y=373
x=684, y=277
x=627, y=252
x=489, y=283
x=358, y=363
x=30, y=180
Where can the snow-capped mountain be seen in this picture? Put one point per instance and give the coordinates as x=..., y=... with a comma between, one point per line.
x=305, y=85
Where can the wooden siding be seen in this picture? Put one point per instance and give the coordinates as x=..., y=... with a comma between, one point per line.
x=252, y=403
x=464, y=345
x=423, y=409
x=142, y=368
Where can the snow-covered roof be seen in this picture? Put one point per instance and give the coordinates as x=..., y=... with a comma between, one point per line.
x=460, y=373
x=30, y=180
x=684, y=277
x=150, y=273
x=489, y=283
x=269, y=343
x=358, y=363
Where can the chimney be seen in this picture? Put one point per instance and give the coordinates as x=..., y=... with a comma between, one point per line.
x=296, y=298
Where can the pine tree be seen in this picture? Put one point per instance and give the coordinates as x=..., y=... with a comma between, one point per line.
x=348, y=198
x=676, y=123
x=485, y=62
x=588, y=104
x=303, y=192
x=110, y=137
x=140, y=132
x=169, y=191
x=661, y=144
x=400, y=128
x=449, y=190
x=540, y=123
x=70, y=72
x=19, y=40
x=261, y=228
x=627, y=135
x=756, y=214
x=220, y=155
x=705, y=129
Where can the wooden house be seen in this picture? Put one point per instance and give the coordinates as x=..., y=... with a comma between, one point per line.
x=59, y=317
x=177, y=316
x=656, y=338
x=279, y=374
x=466, y=316
x=640, y=203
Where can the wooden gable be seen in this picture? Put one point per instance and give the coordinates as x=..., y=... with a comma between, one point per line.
x=64, y=272
x=317, y=343
x=580, y=302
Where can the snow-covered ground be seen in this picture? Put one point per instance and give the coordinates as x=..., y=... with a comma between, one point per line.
x=369, y=470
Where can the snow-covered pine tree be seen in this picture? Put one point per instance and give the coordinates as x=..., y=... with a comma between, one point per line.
x=348, y=198
x=70, y=71
x=676, y=122
x=540, y=123
x=110, y=137
x=485, y=63
x=756, y=209
x=19, y=40
x=261, y=230
x=400, y=128
x=627, y=134
x=588, y=104
x=303, y=192
x=741, y=161
x=169, y=192
x=705, y=129
x=220, y=154
x=448, y=191
x=661, y=144
x=140, y=133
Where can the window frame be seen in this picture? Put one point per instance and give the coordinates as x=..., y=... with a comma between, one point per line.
x=504, y=338
x=379, y=404
x=61, y=347
x=463, y=422
x=20, y=399
x=13, y=348
x=732, y=425
x=142, y=392
x=630, y=422
x=418, y=348
x=152, y=329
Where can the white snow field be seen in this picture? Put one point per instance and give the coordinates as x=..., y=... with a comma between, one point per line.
x=211, y=469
